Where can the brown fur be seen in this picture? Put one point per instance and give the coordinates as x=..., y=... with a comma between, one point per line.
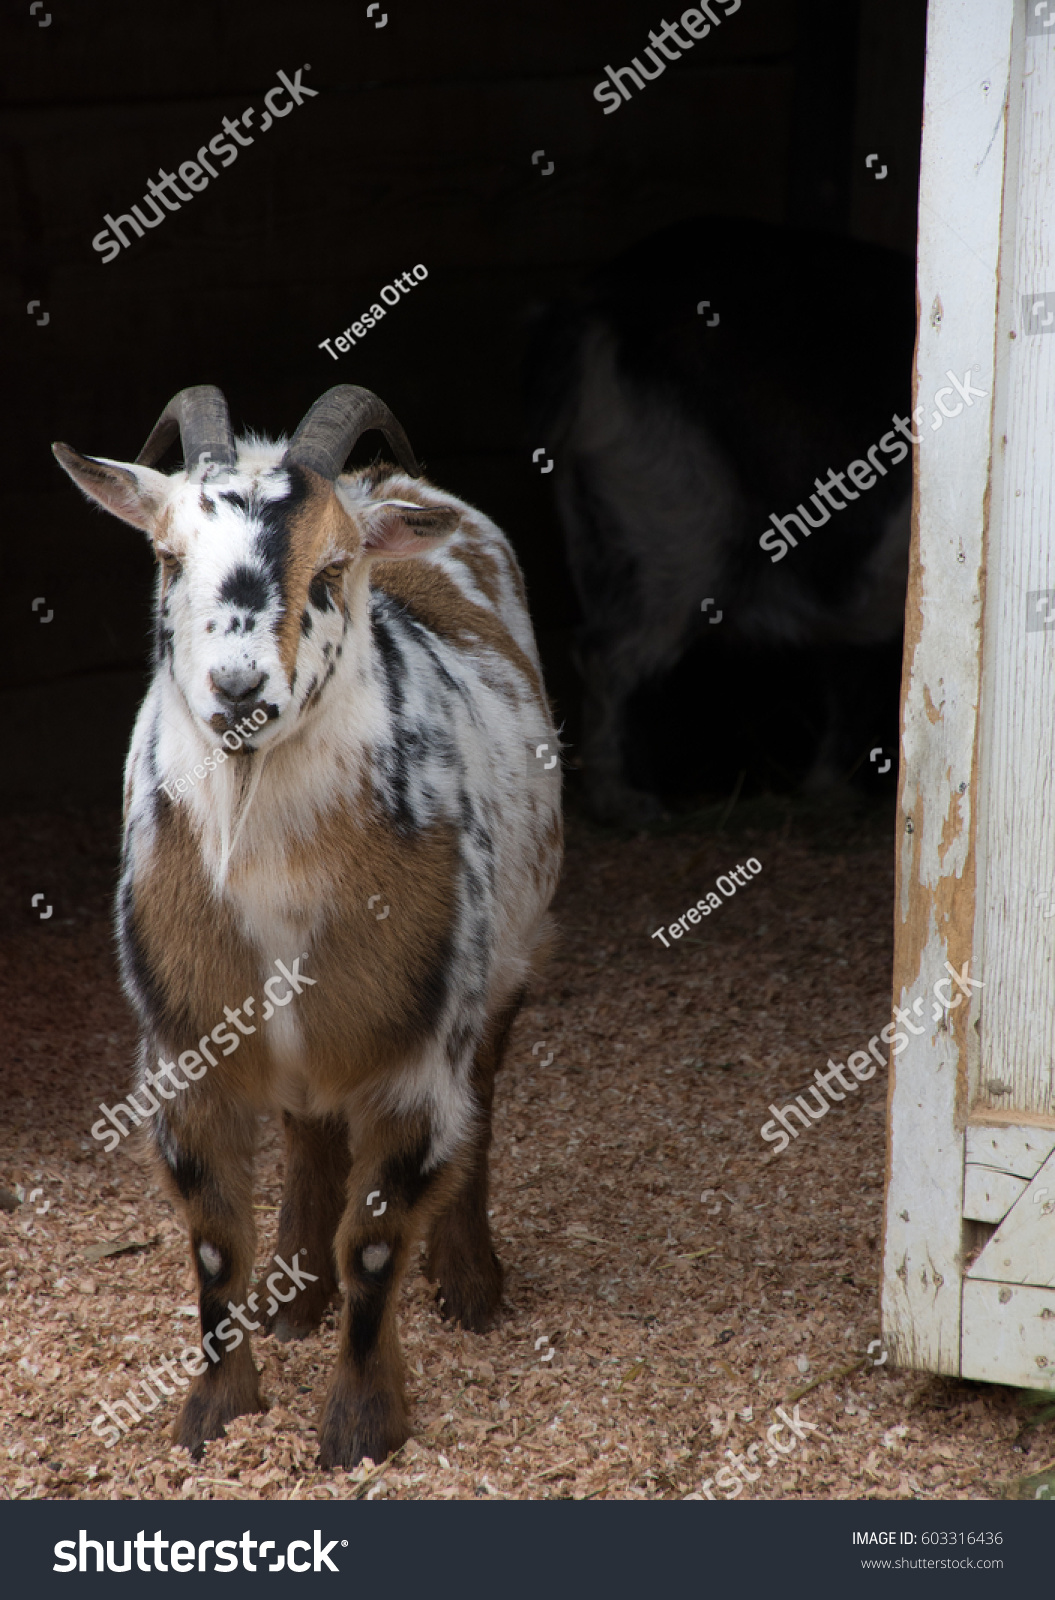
x=193, y=944
x=314, y=1196
x=202, y=960
x=483, y=566
x=320, y=522
x=434, y=597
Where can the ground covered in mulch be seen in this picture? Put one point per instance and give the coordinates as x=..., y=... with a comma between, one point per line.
x=671, y=1280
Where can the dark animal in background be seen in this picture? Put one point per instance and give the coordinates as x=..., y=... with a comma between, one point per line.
x=699, y=385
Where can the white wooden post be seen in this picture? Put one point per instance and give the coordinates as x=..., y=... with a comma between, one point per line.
x=969, y=1250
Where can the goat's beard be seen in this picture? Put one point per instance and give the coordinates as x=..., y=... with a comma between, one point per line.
x=245, y=778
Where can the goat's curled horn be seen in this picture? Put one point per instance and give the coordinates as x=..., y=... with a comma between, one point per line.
x=199, y=416
x=325, y=438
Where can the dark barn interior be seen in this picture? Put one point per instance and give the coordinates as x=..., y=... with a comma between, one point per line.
x=417, y=148
x=663, y=1276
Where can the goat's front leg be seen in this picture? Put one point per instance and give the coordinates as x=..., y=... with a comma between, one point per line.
x=209, y=1157
x=391, y=1198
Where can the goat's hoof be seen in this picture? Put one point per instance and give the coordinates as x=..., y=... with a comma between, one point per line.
x=299, y=1322
x=285, y=1331
x=204, y=1414
x=473, y=1316
x=471, y=1298
x=374, y=1426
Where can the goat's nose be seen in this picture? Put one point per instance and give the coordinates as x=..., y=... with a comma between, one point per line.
x=237, y=684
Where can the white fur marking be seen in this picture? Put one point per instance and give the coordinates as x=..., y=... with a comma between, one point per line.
x=211, y=1259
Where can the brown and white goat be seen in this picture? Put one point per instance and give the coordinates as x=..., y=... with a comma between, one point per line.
x=379, y=631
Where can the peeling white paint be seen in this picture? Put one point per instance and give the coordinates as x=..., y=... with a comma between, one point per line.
x=961, y=182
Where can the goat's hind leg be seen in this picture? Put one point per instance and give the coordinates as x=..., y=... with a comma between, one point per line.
x=461, y=1254
x=313, y=1201
x=209, y=1158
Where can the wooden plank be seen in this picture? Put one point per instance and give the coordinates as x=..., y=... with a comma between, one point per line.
x=1021, y=1150
x=1018, y=727
x=989, y=1195
x=1008, y=1335
x=1022, y=1250
x=961, y=189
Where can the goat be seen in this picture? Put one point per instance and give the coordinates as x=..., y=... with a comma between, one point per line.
x=382, y=629
x=680, y=424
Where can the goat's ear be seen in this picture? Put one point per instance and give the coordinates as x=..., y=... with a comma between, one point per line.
x=135, y=494
x=393, y=529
